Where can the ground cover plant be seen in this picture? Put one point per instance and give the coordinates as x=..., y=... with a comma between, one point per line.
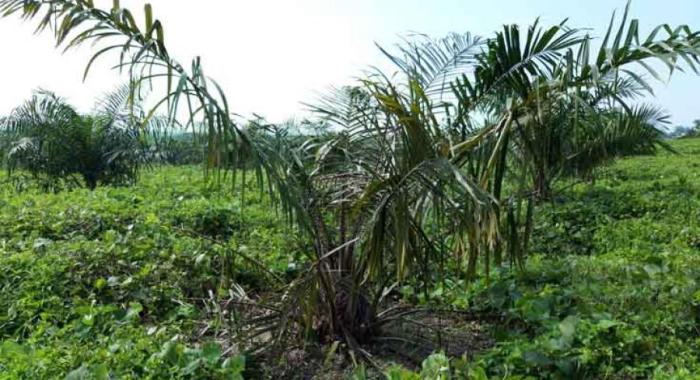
x=119, y=278
x=432, y=187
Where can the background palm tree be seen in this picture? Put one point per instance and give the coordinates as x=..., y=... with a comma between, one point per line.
x=50, y=139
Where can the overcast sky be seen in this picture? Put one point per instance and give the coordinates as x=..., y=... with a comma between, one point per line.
x=272, y=55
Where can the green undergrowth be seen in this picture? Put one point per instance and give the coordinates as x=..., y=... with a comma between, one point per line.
x=110, y=282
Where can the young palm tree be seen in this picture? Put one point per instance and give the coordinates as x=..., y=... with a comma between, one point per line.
x=549, y=109
x=52, y=140
x=389, y=182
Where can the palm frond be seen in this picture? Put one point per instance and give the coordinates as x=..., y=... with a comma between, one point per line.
x=435, y=63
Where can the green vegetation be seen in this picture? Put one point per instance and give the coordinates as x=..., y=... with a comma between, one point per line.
x=118, y=280
x=466, y=203
x=693, y=131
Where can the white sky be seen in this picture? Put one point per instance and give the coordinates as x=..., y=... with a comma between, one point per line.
x=271, y=55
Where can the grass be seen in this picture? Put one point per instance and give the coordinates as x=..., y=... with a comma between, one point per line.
x=125, y=282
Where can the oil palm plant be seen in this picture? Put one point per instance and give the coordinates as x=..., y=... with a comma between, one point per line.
x=616, y=133
x=393, y=186
x=50, y=139
x=561, y=98
x=549, y=108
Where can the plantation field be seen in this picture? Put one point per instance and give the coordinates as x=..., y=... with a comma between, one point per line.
x=129, y=282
